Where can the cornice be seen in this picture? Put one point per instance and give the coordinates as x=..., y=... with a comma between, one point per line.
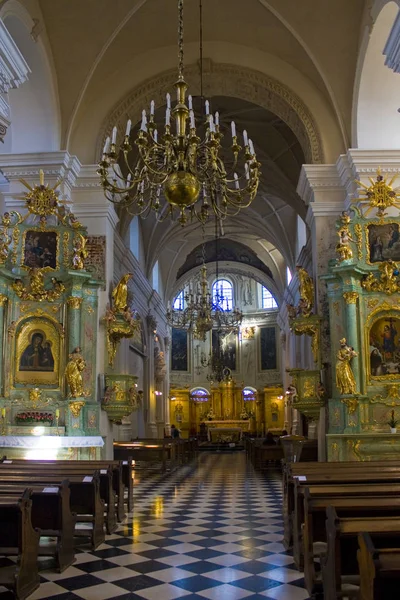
x=317, y=177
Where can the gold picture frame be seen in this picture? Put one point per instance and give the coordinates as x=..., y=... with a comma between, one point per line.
x=388, y=232
x=38, y=352
x=382, y=346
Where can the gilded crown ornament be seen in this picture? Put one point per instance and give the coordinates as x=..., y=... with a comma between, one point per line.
x=179, y=172
x=380, y=194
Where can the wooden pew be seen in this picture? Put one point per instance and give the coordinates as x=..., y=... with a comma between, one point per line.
x=261, y=455
x=331, y=491
x=379, y=570
x=327, y=474
x=340, y=573
x=122, y=477
x=149, y=451
x=68, y=470
x=19, y=538
x=315, y=525
x=85, y=498
x=51, y=515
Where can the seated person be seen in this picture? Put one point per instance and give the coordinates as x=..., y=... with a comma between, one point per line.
x=284, y=432
x=269, y=440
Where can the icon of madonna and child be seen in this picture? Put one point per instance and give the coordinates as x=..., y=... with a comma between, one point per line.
x=384, y=347
x=37, y=356
x=40, y=249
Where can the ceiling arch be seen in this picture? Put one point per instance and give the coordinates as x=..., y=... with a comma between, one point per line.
x=227, y=80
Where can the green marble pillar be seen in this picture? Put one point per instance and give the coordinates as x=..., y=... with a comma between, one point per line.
x=3, y=300
x=351, y=299
x=74, y=304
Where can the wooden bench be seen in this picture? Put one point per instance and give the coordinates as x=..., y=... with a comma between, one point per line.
x=315, y=545
x=335, y=473
x=161, y=452
x=379, y=570
x=331, y=491
x=66, y=470
x=262, y=455
x=52, y=516
x=340, y=574
x=85, y=498
x=19, y=538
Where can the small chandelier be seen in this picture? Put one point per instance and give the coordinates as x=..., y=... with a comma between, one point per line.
x=179, y=171
x=203, y=313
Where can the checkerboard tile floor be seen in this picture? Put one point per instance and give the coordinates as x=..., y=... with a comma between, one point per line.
x=212, y=530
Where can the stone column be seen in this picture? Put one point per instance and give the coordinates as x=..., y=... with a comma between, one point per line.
x=167, y=416
x=150, y=387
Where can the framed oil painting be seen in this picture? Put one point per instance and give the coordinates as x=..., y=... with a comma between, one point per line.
x=137, y=343
x=384, y=348
x=179, y=350
x=229, y=349
x=37, y=352
x=268, y=348
x=40, y=249
x=383, y=242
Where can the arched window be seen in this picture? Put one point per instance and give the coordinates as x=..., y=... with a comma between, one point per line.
x=155, y=278
x=222, y=293
x=179, y=302
x=249, y=394
x=134, y=237
x=199, y=395
x=288, y=275
x=268, y=301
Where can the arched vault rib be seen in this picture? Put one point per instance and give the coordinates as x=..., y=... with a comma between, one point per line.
x=228, y=80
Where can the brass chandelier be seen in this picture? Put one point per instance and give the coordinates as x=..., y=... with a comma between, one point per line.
x=202, y=313
x=175, y=170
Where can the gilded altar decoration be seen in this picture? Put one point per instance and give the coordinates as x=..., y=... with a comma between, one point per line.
x=388, y=282
x=121, y=397
x=358, y=232
x=311, y=327
x=120, y=294
x=345, y=380
x=350, y=297
x=73, y=373
x=351, y=403
x=120, y=321
x=36, y=289
x=343, y=248
x=74, y=302
x=3, y=300
x=35, y=395
x=380, y=194
x=76, y=407
x=306, y=392
x=306, y=290
x=79, y=252
x=248, y=333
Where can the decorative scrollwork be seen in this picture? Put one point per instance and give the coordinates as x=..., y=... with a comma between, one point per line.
x=36, y=290
x=76, y=407
x=388, y=281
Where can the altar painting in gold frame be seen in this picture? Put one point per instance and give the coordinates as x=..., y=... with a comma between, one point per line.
x=383, y=242
x=40, y=249
x=383, y=345
x=38, y=352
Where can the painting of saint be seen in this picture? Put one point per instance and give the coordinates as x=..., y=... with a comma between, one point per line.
x=179, y=350
x=37, y=356
x=268, y=348
x=384, y=347
x=384, y=242
x=40, y=249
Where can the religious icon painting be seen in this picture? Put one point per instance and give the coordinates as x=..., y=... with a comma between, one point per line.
x=383, y=242
x=40, y=249
x=268, y=348
x=179, y=350
x=37, y=352
x=384, y=348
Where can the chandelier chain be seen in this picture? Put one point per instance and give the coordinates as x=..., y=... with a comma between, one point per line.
x=180, y=40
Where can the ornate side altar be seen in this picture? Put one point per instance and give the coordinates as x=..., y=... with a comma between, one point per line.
x=48, y=326
x=363, y=288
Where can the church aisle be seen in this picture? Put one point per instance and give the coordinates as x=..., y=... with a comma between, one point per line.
x=211, y=530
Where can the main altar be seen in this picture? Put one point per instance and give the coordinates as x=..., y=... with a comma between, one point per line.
x=363, y=289
x=48, y=327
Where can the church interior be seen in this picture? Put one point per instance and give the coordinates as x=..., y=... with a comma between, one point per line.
x=199, y=299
